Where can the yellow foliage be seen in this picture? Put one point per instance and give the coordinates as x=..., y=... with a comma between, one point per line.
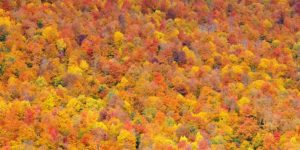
x=199, y=137
x=243, y=101
x=190, y=54
x=184, y=25
x=120, y=3
x=180, y=97
x=123, y=82
x=293, y=140
x=84, y=65
x=101, y=125
x=272, y=65
x=246, y=145
x=265, y=76
x=298, y=35
x=183, y=138
x=128, y=107
x=5, y=21
x=50, y=33
x=238, y=87
x=2, y=12
x=223, y=116
x=282, y=2
x=228, y=130
x=218, y=139
x=237, y=69
x=256, y=84
x=64, y=120
x=118, y=38
x=225, y=70
x=180, y=69
x=146, y=63
x=195, y=69
x=61, y=45
x=16, y=145
x=280, y=85
x=74, y=69
x=153, y=100
x=19, y=106
x=264, y=63
x=297, y=46
x=202, y=115
x=213, y=47
x=233, y=58
x=92, y=103
x=114, y=127
x=160, y=36
x=275, y=43
x=258, y=139
x=12, y=80
x=249, y=54
x=267, y=24
x=159, y=139
x=3, y=107
x=49, y=103
x=26, y=133
x=74, y=104
x=41, y=81
x=174, y=33
x=157, y=16
x=206, y=68
x=179, y=22
x=210, y=61
x=126, y=138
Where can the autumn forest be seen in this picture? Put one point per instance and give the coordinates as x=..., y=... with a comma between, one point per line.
x=150, y=74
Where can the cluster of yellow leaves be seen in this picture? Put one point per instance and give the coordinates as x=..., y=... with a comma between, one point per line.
x=50, y=33
x=5, y=21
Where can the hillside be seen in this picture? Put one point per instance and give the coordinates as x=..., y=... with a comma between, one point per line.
x=150, y=74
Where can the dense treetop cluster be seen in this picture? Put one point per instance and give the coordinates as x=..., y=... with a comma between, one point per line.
x=150, y=74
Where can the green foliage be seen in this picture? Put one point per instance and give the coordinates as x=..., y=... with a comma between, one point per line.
x=149, y=113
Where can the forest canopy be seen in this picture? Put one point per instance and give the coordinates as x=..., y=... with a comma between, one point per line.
x=150, y=74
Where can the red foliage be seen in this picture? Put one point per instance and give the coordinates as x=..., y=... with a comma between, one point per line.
x=277, y=135
x=29, y=116
x=53, y=133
